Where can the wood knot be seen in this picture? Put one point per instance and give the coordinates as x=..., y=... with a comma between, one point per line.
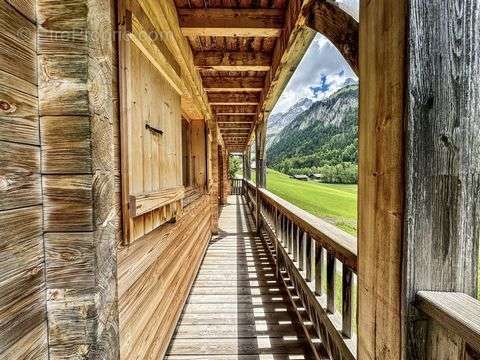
x=6, y=107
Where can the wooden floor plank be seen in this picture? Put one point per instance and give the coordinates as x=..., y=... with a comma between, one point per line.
x=237, y=309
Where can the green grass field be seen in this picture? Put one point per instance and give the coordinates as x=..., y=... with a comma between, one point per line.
x=334, y=203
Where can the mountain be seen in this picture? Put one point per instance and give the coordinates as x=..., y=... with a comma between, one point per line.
x=278, y=121
x=322, y=139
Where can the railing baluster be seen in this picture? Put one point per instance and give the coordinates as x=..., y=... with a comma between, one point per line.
x=308, y=258
x=318, y=268
x=295, y=242
x=347, y=302
x=331, y=268
x=301, y=250
x=290, y=233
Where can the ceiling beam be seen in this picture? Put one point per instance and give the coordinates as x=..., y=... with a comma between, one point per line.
x=235, y=126
x=234, y=109
x=235, y=119
x=233, y=60
x=231, y=22
x=233, y=83
x=230, y=98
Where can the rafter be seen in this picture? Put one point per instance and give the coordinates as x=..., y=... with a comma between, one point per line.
x=234, y=109
x=231, y=22
x=235, y=126
x=230, y=98
x=235, y=119
x=233, y=83
x=233, y=60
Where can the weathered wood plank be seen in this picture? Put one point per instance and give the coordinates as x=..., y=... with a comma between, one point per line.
x=227, y=98
x=63, y=85
x=212, y=83
x=457, y=313
x=19, y=176
x=381, y=171
x=233, y=61
x=14, y=103
x=143, y=203
x=62, y=26
x=443, y=152
x=66, y=146
x=231, y=22
x=70, y=261
x=32, y=346
x=18, y=43
x=25, y=7
x=67, y=203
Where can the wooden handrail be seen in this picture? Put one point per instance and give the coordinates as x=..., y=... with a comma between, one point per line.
x=306, y=249
x=457, y=312
x=336, y=241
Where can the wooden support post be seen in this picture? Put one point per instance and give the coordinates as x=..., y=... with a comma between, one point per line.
x=419, y=177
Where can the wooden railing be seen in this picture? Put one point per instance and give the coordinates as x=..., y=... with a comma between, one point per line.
x=236, y=186
x=454, y=329
x=307, y=251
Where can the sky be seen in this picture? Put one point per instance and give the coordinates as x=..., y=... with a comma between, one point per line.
x=321, y=72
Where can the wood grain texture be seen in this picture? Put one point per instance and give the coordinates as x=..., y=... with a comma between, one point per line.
x=19, y=176
x=62, y=26
x=245, y=317
x=231, y=22
x=154, y=281
x=67, y=203
x=25, y=7
x=457, y=313
x=443, y=148
x=151, y=161
x=381, y=177
x=18, y=44
x=63, y=85
x=22, y=305
x=66, y=145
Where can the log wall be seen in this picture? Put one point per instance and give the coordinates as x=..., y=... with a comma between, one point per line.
x=78, y=122
x=23, y=316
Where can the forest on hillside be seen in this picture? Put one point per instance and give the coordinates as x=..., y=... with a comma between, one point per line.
x=322, y=140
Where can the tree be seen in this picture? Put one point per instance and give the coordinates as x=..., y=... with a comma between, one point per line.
x=235, y=165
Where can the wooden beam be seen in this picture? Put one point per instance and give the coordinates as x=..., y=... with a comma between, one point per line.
x=339, y=27
x=230, y=98
x=231, y=83
x=235, y=126
x=234, y=110
x=231, y=22
x=233, y=60
x=235, y=119
x=381, y=172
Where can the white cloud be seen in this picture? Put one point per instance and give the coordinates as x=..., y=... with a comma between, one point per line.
x=322, y=66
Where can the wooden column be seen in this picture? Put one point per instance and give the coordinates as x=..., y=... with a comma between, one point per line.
x=78, y=123
x=419, y=166
x=442, y=217
x=260, y=138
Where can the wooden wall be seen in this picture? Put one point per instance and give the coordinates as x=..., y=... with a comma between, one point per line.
x=23, y=318
x=154, y=276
